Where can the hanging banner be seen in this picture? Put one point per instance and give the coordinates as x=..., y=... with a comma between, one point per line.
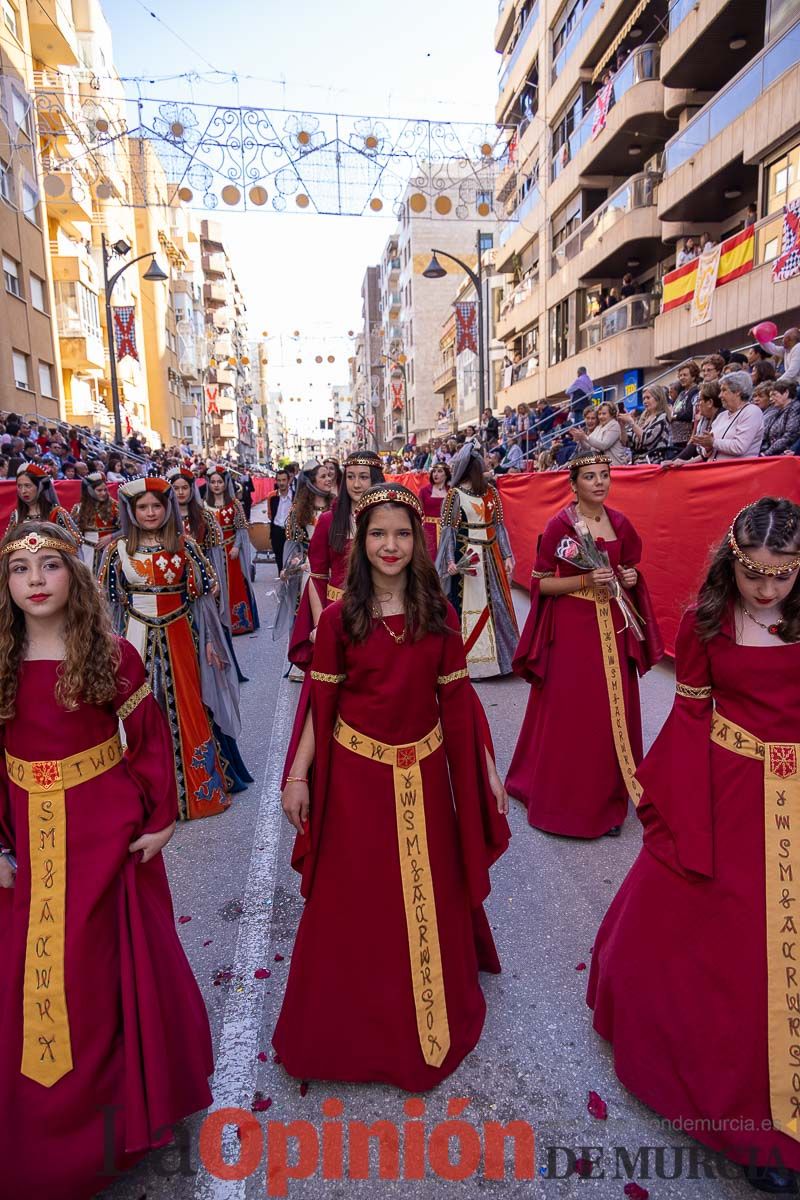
x=737, y=255
x=397, y=395
x=602, y=104
x=704, y=285
x=787, y=264
x=212, y=399
x=124, y=318
x=466, y=327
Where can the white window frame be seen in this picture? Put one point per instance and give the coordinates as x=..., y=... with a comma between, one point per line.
x=10, y=17
x=7, y=182
x=49, y=392
x=23, y=121
x=30, y=204
x=11, y=276
x=18, y=360
x=35, y=282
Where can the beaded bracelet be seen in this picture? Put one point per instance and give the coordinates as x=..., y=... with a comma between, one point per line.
x=295, y=779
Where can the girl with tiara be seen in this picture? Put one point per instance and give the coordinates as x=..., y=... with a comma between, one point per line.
x=221, y=499
x=475, y=564
x=97, y=518
x=329, y=550
x=161, y=588
x=433, y=496
x=392, y=937
x=312, y=499
x=693, y=976
x=578, y=632
x=105, y=1039
x=37, y=501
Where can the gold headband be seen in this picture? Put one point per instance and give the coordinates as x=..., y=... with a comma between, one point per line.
x=389, y=495
x=36, y=542
x=362, y=460
x=590, y=460
x=750, y=563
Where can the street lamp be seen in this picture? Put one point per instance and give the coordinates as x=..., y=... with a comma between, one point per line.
x=401, y=366
x=435, y=270
x=153, y=274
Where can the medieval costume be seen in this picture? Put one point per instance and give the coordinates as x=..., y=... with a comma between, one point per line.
x=232, y=521
x=432, y=521
x=582, y=658
x=474, y=539
x=97, y=519
x=368, y=906
x=46, y=502
x=163, y=605
x=123, y=1050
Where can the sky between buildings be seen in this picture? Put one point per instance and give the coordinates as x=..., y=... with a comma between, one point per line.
x=403, y=58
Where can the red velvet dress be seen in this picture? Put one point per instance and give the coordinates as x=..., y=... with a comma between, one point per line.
x=352, y=945
x=138, y=1026
x=560, y=655
x=678, y=981
x=432, y=525
x=328, y=569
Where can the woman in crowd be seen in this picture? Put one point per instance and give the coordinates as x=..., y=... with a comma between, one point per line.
x=649, y=438
x=312, y=499
x=475, y=562
x=114, y=474
x=608, y=438
x=525, y=419
x=407, y=1009
x=577, y=631
x=161, y=589
x=230, y=514
x=762, y=371
x=432, y=496
x=112, y=1021
x=683, y=410
x=328, y=552
x=334, y=477
x=97, y=518
x=695, y=953
x=37, y=501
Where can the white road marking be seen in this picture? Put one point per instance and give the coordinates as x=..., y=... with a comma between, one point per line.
x=237, y=1065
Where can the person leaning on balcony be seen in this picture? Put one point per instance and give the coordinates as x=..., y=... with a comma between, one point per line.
x=607, y=438
x=649, y=438
x=629, y=288
x=737, y=432
x=688, y=254
x=784, y=431
x=682, y=420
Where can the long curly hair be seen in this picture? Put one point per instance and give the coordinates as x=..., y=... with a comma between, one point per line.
x=772, y=523
x=304, y=501
x=425, y=604
x=92, y=653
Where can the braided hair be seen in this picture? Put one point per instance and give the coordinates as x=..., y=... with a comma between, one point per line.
x=770, y=523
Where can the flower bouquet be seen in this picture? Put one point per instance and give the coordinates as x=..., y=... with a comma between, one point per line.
x=468, y=563
x=583, y=552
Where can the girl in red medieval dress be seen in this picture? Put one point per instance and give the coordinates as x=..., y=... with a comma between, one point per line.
x=37, y=501
x=582, y=658
x=433, y=496
x=161, y=589
x=393, y=933
x=328, y=553
x=692, y=976
x=97, y=518
x=312, y=498
x=222, y=501
x=105, y=1037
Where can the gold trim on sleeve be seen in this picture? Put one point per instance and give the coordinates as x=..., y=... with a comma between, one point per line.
x=132, y=703
x=321, y=677
x=444, y=679
x=693, y=693
x=542, y=574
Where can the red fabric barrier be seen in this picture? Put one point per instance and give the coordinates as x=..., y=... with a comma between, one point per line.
x=680, y=515
x=264, y=487
x=67, y=490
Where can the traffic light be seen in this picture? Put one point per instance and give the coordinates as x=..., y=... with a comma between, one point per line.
x=322, y=424
x=330, y=422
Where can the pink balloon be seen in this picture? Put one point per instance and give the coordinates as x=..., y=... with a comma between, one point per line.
x=766, y=331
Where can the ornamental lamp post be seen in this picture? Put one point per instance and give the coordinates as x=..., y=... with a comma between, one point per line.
x=435, y=270
x=153, y=274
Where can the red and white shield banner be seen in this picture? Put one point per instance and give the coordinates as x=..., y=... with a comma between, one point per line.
x=124, y=317
x=212, y=399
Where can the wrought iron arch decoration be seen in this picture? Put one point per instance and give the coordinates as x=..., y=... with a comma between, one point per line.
x=245, y=158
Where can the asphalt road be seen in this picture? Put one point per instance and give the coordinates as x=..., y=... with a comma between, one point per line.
x=538, y=1057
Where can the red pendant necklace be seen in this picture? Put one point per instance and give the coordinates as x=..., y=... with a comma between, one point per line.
x=774, y=629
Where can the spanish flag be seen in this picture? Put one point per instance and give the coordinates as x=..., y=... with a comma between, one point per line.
x=736, y=258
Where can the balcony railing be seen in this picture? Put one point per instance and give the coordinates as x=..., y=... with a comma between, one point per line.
x=519, y=294
x=735, y=99
x=641, y=65
x=519, y=46
x=579, y=28
x=679, y=11
x=637, y=312
x=638, y=192
x=525, y=206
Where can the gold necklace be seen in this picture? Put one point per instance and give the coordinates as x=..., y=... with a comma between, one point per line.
x=773, y=628
x=398, y=638
x=585, y=516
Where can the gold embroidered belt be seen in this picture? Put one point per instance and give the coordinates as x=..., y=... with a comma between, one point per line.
x=46, y=1046
x=333, y=593
x=432, y=520
x=601, y=599
x=782, y=861
x=425, y=957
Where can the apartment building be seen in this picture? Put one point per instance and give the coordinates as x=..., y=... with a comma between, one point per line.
x=631, y=126
x=231, y=427
x=29, y=354
x=451, y=215
x=367, y=365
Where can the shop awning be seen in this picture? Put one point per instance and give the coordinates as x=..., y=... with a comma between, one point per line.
x=619, y=39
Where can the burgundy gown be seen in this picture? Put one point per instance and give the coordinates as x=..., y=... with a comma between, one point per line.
x=138, y=1026
x=352, y=944
x=678, y=980
x=328, y=570
x=559, y=653
x=432, y=525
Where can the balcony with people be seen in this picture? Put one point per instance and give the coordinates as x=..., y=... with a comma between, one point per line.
x=518, y=54
x=520, y=304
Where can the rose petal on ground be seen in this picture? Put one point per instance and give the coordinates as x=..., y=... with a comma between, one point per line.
x=635, y=1192
x=261, y=1105
x=261, y=1056
x=303, y=1088
x=183, y=920
x=261, y=973
x=583, y=1167
x=278, y=958
x=208, y=942
x=597, y=1107
x=581, y=967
